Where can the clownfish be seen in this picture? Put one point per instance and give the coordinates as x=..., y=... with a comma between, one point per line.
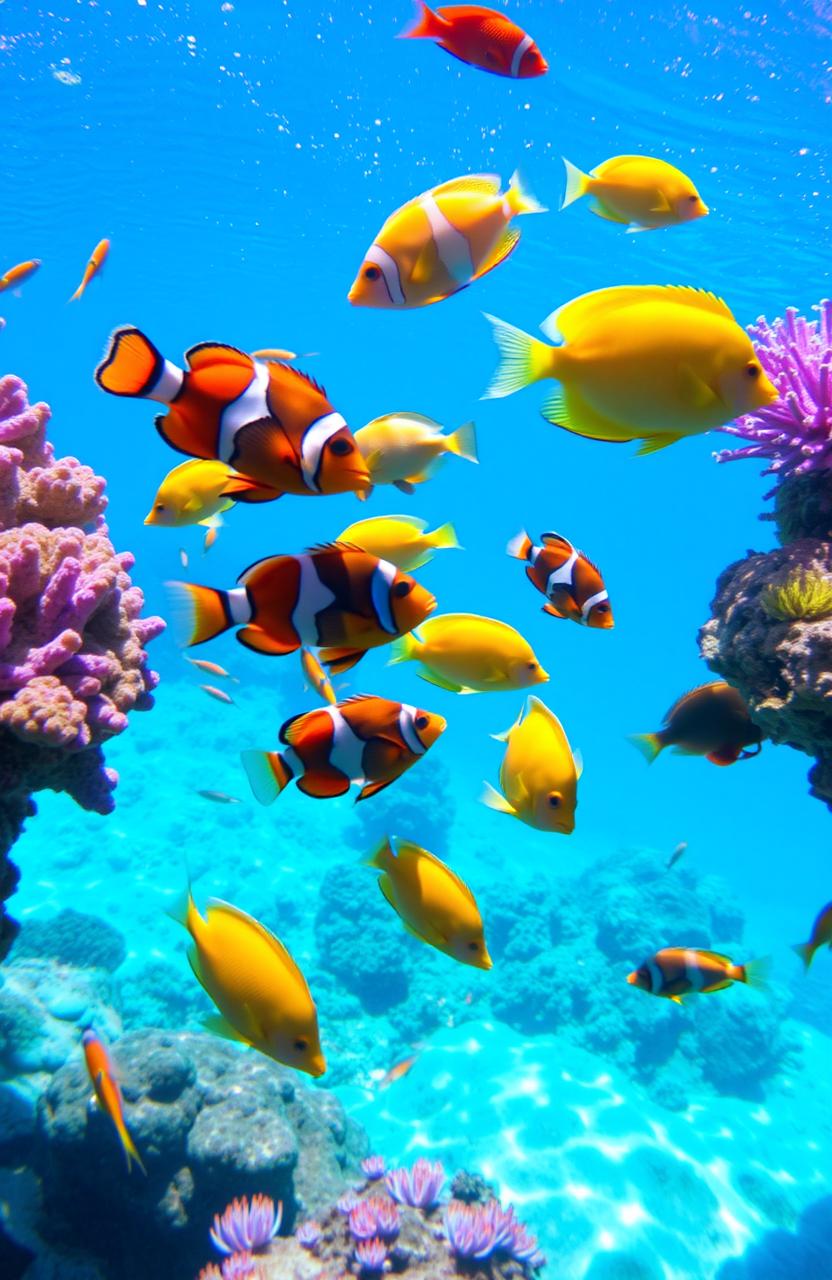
x=15, y=276
x=365, y=740
x=481, y=37
x=712, y=720
x=108, y=1093
x=336, y=598
x=96, y=262
x=270, y=422
x=571, y=583
x=675, y=972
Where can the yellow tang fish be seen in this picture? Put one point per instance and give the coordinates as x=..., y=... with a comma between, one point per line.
x=638, y=190
x=441, y=241
x=406, y=449
x=316, y=676
x=638, y=362
x=196, y=492
x=260, y=992
x=435, y=905
x=466, y=653
x=539, y=774
x=400, y=540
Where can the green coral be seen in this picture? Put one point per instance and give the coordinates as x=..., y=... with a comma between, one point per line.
x=803, y=594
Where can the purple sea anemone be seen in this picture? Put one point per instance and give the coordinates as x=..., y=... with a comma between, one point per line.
x=387, y=1218
x=363, y=1221
x=377, y=1216
x=308, y=1235
x=419, y=1186
x=347, y=1202
x=245, y=1227
x=371, y=1255
x=373, y=1168
x=240, y=1266
x=794, y=435
x=480, y=1231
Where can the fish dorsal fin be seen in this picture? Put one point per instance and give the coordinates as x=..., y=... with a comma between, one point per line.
x=217, y=906
x=471, y=184
x=403, y=846
x=419, y=420
x=506, y=734
x=326, y=548
x=691, y=693
x=570, y=320
x=556, y=540
x=205, y=354
x=714, y=955
x=412, y=522
x=307, y=377
x=578, y=761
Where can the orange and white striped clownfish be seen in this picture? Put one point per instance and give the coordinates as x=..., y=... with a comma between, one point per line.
x=675, y=972
x=96, y=262
x=268, y=421
x=441, y=241
x=108, y=1093
x=571, y=583
x=482, y=37
x=337, y=598
x=365, y=740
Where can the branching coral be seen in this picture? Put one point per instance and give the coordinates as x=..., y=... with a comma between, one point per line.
x=804, y=594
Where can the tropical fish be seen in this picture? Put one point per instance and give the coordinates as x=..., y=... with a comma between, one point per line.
x=712, y=720
x=335, y=597
x=539, y=774
x=398, y=1072
x=467, y=653
x=183, y=557
x=260, y=992
x=676, y=854
x=482, y=37
x=274, y=353
x=638, y=190
x=268, y=421
x=213, y=668
x=15, y=276
x=211, y=535
x=571, y=583
x=197, y=492
x=638, y=362
x=96, y=262
x=219, y=694
x=434, y=904
x=366, y=740
x=675, y=972
x=441, y=241
x=317, y=677
x=219, y=797
x=108, y=1093
x=403, y=540
x=821, y=936
x=406, y=449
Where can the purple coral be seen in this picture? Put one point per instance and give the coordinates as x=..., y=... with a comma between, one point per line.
x=373, y=1168
x=371, y=1255
x=308, y=1235
x=347, y=1202
x=239, y=1266
x=244, y=1227
x=420, y=1186
x=480, y=1231
x=377, y=1216
x=794, y=435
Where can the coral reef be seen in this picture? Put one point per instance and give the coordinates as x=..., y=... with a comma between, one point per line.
x=72, y=659
x=73, y=938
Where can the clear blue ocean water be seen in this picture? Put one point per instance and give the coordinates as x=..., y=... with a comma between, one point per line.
x=241, y=158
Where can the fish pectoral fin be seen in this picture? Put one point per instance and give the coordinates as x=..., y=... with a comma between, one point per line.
x=339, y=660
x=601, y=211
x=254, y=637
x=404, y=486
x=654, y=443
x=550, y=609
x=572, y=414
x=505, y=246
x=696, y=390
x=424, y=267
x=372, y=789
x=662, y=204
x=492, y=799
x=676, y=999
x=220, y=1026
x=440, y=681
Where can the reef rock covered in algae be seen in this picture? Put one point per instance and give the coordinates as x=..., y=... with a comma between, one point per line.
x=72, y=641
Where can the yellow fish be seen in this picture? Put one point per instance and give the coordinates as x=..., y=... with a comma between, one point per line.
x=435, y=905
x=258, y=989
x=197, y=492
x=400, y=540
x=639, y=190
x=466, y=653
x=406, y=449
x=316, y=676
x=441, y=241
x=638, y=362
x=539, y=774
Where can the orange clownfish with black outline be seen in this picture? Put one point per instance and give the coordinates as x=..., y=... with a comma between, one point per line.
x=571, y=583
x=268, y=421
x=108, y=1093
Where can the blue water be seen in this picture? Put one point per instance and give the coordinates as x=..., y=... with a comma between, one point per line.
x=241, y=158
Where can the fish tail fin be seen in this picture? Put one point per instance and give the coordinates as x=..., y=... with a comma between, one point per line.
x=132, y=366
x=404, y=649
x=755, y=973
x=519, y=546
x=806, y=952
x=494, y=800
x=130, y=1150
x=445, y=536
x=181, y=907
x=463, y=442
x=381, y=856
x=520, y=199
x=200, y=613
x=426, y=25
x=577, y=183
x=524, y=359
x=649, y=744
x=267, y=772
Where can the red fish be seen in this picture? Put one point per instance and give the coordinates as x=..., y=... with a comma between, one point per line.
x=96, y=262
x=108, y=1093
x=335, y=596
x=270, y=422
x=481, y=37
x=366, y=740
x=571, y=583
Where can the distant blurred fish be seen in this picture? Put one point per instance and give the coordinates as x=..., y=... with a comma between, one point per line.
x=183, y=557
x=274, y=353
x=398, y=1072
x=219, y=694
x=317, y=677
x=820, y=936
x=219, y=797
x=96, y=262
x=213, y=668
x=108, y=1093
x=211, y=535
x=16, y=276
x=675, y=972
x=712, y=720
x=676, y=854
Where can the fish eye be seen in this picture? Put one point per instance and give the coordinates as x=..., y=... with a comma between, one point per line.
x=421, y=721
x=340, y=447
x=753, y=370
x=473, y=946
x=602, y=608
x=160, y=506
x=371, y=273
x=554, y=800
x=531, y=666
x=402, y=589
x=693, y=199
x=301, y=1045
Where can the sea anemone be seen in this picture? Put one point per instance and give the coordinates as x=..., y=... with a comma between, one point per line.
x=481, y=1231
x=794, y=435
x=371, y=1255
x=238, y=1266
x=376, y=1217
x=373, y=1168
x=308, y=1235
x=347, y=1202
x=420, y=1186
x=245, y=1227
x=805, y=593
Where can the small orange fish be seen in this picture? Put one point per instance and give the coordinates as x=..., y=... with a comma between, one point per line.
x=16, y=275
x=93, y=267
x=317, y=677
x=398, y=1072
x=183, y=557
x=210, y=538
x=108, y=1093
x=219, y=694
x=213, y=668
x=274, y=353
x=219, y=797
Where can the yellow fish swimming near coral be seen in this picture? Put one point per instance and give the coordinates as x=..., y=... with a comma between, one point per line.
x=539, y=774
x=197, y=492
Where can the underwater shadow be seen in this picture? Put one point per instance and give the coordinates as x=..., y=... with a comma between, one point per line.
x=804, y=1254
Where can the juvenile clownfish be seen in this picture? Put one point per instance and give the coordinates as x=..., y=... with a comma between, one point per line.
x=108, y=1093
x=571, y=583
x=482, y=37
x=638, y=190
x=675, y=972
x=712, y=720
x=16, y=276
x=336, y=598
x=821, y=936
x=96, y=262
x=364, y=740
x=270, y=422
